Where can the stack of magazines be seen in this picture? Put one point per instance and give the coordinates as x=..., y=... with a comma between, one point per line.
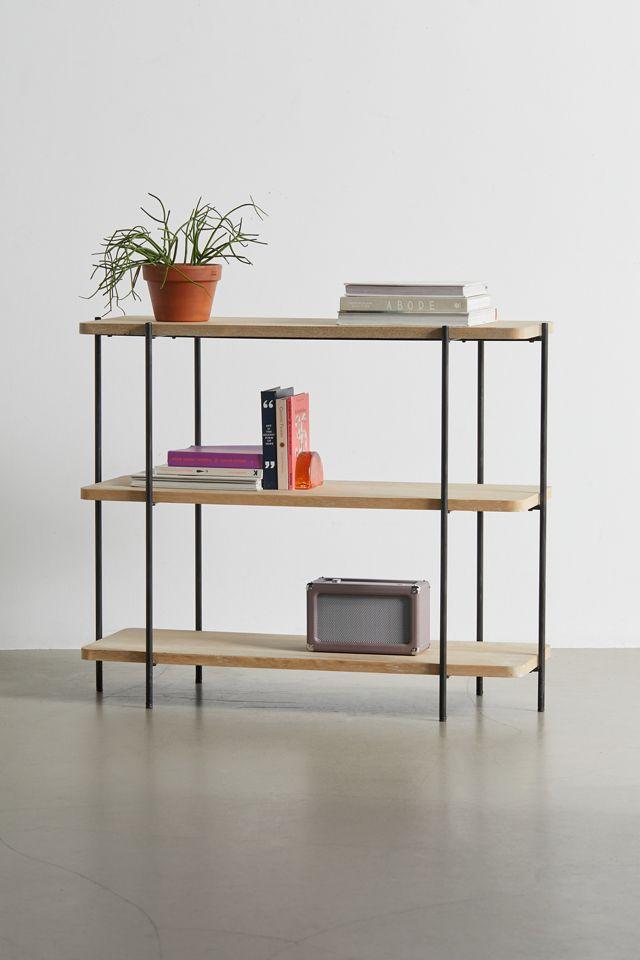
x=464, y=303
x=208, y=468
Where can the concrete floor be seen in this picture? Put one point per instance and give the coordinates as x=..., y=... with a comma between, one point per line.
x=318, y=817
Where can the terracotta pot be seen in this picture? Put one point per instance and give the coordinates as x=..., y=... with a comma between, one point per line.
x=183, y=293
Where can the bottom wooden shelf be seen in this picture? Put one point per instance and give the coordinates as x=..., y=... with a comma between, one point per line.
x=288, y=652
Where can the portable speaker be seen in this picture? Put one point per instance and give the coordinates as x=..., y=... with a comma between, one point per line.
x=367, y=616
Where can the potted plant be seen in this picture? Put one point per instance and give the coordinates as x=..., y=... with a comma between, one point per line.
x=177, y=263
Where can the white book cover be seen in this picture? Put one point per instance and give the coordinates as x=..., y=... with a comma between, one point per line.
x=201, y=483
x=224, y=473
x=474, y=319
x=417, y=288
x=236, y=487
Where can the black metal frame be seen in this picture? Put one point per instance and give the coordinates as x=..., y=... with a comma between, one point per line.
x=148, y=501
x=444, y=508
x=197, y=419
x=97, y=443
x=542, y=553
x=444, y=520
x=480, y=515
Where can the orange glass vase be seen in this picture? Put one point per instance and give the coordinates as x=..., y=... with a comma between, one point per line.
x=309, y=472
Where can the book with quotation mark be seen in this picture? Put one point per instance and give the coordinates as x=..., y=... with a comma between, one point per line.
x=269, y=437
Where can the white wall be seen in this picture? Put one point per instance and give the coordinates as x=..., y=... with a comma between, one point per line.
x=480, y=139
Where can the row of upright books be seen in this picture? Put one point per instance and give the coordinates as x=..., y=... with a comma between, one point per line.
x=271, y=465
x=460, y=304
x=285, y=435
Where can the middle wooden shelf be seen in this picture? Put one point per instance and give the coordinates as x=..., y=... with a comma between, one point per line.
x=351, y=494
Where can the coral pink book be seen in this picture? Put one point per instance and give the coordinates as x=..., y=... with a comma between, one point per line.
x=297, y=432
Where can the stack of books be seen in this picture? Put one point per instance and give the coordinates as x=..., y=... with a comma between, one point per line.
x=285, y=435
x=208, y=468
x=462, y=304
x=270, y=466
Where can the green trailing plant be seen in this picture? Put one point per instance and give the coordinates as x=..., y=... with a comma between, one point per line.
x=206, y=235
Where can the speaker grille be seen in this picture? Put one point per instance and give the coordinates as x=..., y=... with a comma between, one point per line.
x=347, y=619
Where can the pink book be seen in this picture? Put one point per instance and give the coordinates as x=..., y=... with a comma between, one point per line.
x=297, y=431
x=232, y=456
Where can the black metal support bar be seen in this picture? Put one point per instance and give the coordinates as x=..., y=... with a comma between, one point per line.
x=444, y=520
x=542, y=562
x=480, y=515
x=97, y=412
x=148, y=462
x=197, y=418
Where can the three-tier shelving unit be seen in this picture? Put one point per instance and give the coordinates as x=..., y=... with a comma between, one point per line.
x=473, y=658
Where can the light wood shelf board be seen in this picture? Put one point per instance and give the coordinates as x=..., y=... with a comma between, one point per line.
x=307, y=328
x=288, y=652
x=354, y=494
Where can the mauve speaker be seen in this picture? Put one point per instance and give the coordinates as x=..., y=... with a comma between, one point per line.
x=367, y=616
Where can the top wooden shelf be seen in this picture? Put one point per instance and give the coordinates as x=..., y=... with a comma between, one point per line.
x=300, y=328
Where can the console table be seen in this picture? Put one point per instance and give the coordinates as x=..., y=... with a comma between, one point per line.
x=475, y=658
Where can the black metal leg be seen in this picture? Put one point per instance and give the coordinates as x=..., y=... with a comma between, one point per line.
x=148, y=393
x=197, y=391
x=542, y=562
x=480, y=516
x=97, y=402
x=444, y=518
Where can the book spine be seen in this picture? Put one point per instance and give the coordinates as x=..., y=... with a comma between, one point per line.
x=281, y=443
x=419, y=305
x=291, y=466
x=476, y=318
x=248, y=461
x=416, y=289
x=269, y=449
x=251, y=473
x=297, y=432
x=165, y=483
